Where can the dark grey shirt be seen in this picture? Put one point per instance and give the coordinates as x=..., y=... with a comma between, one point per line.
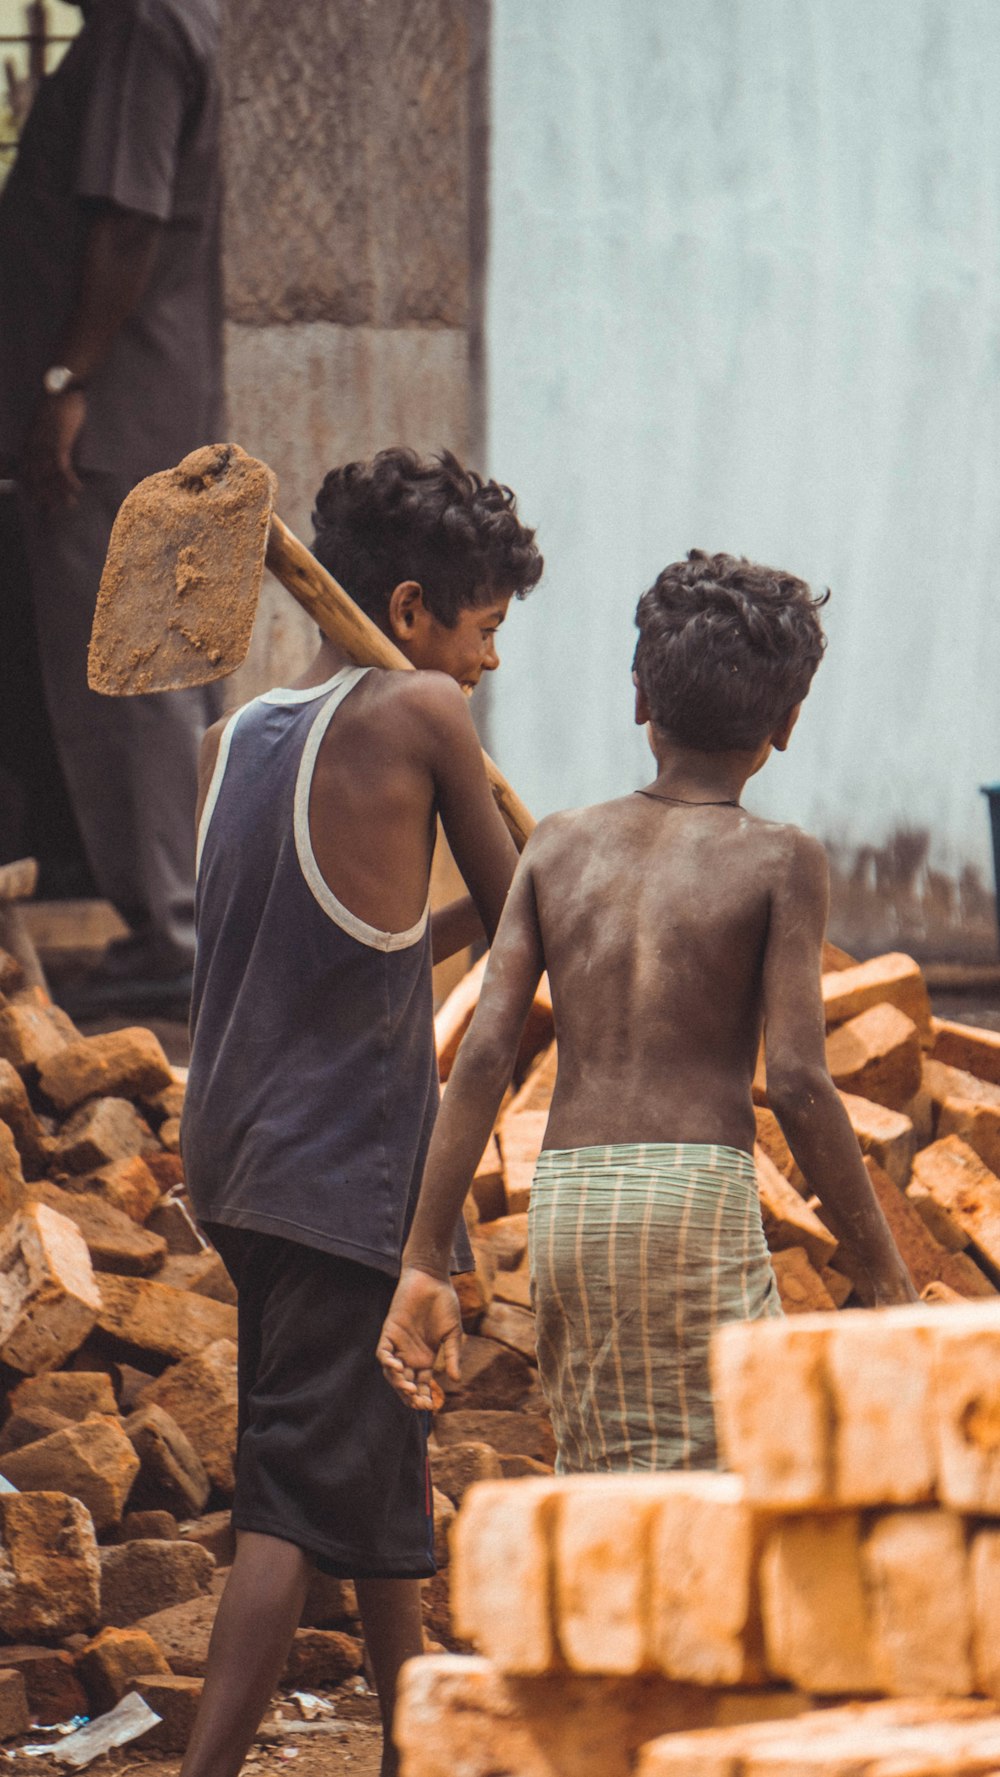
x=130, y=116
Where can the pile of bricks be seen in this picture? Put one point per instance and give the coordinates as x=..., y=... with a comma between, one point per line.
x=118, y=1386
x=831, y=1608
x=118, y=1325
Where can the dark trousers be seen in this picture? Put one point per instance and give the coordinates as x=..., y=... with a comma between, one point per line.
x=130, y=763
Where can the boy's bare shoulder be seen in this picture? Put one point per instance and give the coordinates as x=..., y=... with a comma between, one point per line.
x=427, y=699
x=797, y=860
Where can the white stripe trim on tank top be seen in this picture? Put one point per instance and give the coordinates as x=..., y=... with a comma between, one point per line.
x=323, y=893
x=280, y=695
x=215, y=782
x=288, y=694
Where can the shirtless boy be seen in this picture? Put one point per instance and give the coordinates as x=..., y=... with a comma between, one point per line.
x=674, y=926
x=313, y=1080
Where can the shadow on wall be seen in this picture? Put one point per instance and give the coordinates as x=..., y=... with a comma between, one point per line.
x=890, y=898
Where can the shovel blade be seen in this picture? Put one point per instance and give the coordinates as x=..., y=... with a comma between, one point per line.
x=182, y=578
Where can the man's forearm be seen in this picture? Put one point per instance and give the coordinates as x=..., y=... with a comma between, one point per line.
x=118, y=261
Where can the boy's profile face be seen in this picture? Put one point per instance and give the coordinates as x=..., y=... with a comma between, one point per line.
x=464, y=652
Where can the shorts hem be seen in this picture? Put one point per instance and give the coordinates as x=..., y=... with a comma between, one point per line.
x=339, y=1566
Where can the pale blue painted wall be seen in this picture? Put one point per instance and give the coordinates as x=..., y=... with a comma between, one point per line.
x=744, y=293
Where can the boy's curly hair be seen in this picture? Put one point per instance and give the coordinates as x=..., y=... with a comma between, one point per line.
x=402, y=517
x=726, y=647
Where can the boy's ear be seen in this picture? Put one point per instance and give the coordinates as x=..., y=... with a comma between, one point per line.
x=783, y=733
x=642, y=715
x=406, y=606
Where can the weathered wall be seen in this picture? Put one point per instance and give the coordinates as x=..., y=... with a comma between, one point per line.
x=744, y=294
x=352, y=192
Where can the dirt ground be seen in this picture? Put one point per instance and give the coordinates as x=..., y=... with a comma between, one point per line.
x=336, y=1746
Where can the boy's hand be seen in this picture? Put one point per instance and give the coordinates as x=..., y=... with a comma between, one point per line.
x=423, y=1319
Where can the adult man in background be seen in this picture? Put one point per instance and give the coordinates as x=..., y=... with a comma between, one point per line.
x=110, y=369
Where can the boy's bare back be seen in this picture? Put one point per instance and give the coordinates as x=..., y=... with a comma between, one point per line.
x=653, y=921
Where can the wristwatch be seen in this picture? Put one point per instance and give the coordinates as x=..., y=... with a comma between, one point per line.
x=58, y=379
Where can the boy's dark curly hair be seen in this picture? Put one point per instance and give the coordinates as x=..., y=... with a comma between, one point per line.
x=402, y=517
x=726, y=647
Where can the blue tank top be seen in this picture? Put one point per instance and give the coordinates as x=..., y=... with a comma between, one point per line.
x=313, y=1082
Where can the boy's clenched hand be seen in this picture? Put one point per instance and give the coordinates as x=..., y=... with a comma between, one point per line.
x=423, y=1319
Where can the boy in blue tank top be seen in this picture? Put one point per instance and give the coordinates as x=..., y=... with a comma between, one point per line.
x=313, y=1083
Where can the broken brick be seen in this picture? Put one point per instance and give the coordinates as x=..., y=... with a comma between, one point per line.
x=73, y=1393
x=138, y=1578
x=876, y=1056
x=14, y=1717
x=91, y=1460
x=172, y=1475
x=200, y=1394
x=16, y=1112
x=51, y=1683
x=519, y=1434
x=114, y=1240
x=50, y=1575
x=164, y=1322
x=13, y=1191
x=119, y=1064
x=102, y=1130
x=458, y=1467
x=110, y=1663
x=30, y=1033
x=175, y=1700
x=49, y=1298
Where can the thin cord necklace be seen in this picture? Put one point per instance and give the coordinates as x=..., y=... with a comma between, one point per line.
x=682, y=802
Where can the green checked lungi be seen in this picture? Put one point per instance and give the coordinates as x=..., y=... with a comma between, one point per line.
x=637, y=1255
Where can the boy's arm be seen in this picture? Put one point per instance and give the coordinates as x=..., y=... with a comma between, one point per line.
x=480, y=843
x=424, y=1314
x=799, y=1088
x=207, y=756
x=454, y=927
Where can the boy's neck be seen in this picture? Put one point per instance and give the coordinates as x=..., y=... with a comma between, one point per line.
x=327, y=660
x=686, y=775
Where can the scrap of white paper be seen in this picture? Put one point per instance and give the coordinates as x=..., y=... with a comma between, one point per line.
x=126, y=1721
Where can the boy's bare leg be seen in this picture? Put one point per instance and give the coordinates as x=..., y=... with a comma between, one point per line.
x=393, y=1626
x=258, y=1614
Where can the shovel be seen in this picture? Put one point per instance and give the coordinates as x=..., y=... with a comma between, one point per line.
x=182, y=581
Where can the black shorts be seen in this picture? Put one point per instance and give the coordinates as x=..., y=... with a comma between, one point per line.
x=329, y=1458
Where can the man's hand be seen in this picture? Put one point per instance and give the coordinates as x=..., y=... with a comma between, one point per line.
x=423, y=1318
x=49, y=475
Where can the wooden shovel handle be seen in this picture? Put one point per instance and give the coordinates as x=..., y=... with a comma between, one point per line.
x=345, y=623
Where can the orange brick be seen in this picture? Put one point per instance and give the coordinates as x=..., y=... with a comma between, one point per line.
x=894, y=979
x=771, y=1141
x=788, y=1220
x=817, y=1627
x=965, y=1046
x=886, y=1135
x=956, y=1179
x=800, y=1287
x=876, y=1055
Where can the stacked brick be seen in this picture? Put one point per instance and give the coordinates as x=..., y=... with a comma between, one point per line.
x=696, y=1622
x=118, y=1390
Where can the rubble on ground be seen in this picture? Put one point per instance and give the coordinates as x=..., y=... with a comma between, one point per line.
x=118, y=1375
